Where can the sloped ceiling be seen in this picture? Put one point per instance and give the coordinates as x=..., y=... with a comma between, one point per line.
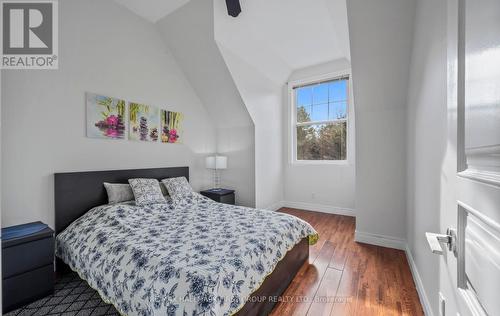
x=277, y=36
x=152, y=10
x=280, y=36
x=189, y=34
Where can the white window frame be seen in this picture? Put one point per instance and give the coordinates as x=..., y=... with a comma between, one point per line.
x=292, y=114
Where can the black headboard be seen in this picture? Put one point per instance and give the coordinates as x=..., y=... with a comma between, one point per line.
x=78, y=192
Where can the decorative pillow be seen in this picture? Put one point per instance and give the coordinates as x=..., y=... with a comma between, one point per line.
x=178, y=188
x=164, y=190
x=118, y=192
x=146, y=191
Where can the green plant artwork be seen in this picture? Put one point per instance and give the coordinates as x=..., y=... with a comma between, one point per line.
x=105, y=117
x=171, y=126
x=144, y=121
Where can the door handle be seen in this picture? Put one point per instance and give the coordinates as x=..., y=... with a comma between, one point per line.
x=435, y=241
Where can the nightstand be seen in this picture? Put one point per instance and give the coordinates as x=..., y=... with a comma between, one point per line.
x=220, y=195
x=27, y=264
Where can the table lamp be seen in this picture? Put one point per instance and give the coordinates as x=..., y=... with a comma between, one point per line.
x=216, y=163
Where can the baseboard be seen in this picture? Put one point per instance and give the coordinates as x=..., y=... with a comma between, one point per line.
x=275, y=206
x=380, y=240
x=319, y=208
x=424, y=300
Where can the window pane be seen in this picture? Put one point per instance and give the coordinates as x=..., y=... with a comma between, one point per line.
x=322, y=142
x=338, y=110
x=319, y=112
x=304, y=96
x=338, y=90
x=304, y=114
x=320, y=93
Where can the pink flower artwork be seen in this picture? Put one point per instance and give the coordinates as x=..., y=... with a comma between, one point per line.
x=112, y=132
x=105, y=117
x=112, y=120
x=172, y=138
x=171, y=126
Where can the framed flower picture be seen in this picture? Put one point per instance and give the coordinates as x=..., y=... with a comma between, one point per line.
x=105, y=117
x=171, y=126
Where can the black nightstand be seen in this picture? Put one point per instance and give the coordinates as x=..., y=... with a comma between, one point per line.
x=220, y=195
x=27, y=264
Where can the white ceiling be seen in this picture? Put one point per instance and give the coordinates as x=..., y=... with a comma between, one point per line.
x=301, y=32
x=280, y=36
x=277, y=36
x=152, y=10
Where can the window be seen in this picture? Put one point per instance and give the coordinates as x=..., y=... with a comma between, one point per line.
x=321, y=113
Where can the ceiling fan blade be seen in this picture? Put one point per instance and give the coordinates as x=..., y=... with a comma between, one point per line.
x=233, y=7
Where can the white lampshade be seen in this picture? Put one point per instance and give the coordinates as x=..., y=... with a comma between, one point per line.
x=216, y=162
x=210, y=162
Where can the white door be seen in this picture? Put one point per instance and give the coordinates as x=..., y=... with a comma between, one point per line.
x=470, y=271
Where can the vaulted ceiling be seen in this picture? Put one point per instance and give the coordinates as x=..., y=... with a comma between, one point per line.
x=152, y=10
x=278, y=36
x=285, y=34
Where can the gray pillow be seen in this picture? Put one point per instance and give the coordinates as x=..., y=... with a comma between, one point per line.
x=146, y=191
x=118, y=192
x=164, y=190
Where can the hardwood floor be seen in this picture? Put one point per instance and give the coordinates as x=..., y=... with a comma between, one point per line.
x=343, y=277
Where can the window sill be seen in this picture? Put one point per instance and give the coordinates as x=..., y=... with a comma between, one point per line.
x=319, y=162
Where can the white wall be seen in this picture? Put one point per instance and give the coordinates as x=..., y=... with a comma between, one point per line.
x=189, y=32
x=380, y=38
x=263, y=101
x=428, y=168
x=326, y=187
x=237, y=143
x=261, y=57
x=256, y=76
x=104, y=49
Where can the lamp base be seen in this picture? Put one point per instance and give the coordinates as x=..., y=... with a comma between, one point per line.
x=216, y=180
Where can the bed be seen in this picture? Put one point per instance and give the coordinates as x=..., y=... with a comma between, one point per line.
x=198, y=257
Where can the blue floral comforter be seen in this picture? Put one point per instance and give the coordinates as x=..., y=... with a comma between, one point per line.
x=198, y=257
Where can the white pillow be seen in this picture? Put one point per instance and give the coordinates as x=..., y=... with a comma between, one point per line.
x=178, y=188
x=146, y=191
